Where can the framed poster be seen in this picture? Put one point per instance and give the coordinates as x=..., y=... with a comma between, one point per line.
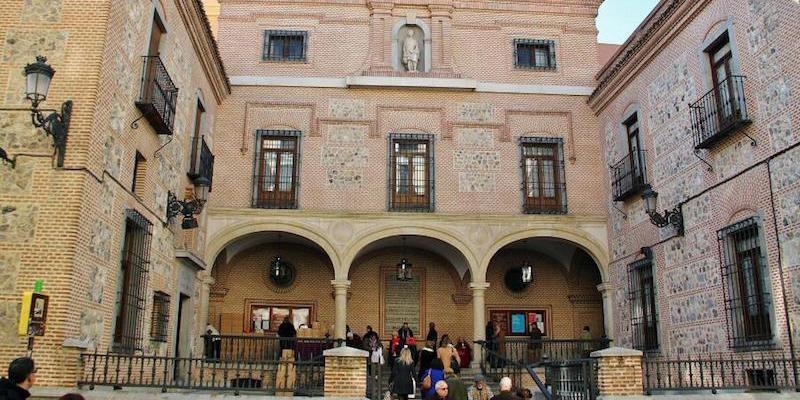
x=518, y=325
x=537, y=318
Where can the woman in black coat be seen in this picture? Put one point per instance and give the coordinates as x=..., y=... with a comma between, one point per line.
x=402, y=375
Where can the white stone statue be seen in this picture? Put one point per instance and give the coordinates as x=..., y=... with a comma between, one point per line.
x=410, y=51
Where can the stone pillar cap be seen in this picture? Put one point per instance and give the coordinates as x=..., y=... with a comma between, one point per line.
x=345, y=352
x=616, y=352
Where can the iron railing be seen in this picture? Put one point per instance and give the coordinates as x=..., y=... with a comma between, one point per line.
x=247, y=349
x=266, y=376
x=158, y=95
x=719, y=112
x=753, y=372
x=526, y=351
x=628, y=176
x=573, y=379
x=202, y=165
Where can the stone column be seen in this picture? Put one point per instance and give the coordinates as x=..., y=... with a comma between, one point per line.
x=606, y=291
x=619, y=372
x=340, y=303
x=345, y=372
x=202, y=309
x=478, y=318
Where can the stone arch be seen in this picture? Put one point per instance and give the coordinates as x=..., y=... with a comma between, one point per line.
x=397, y=47
x=223, y=238
x=363, y=240
x=596, y=250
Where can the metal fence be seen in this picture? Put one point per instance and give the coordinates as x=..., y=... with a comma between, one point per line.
x=299, y=377
x=753, y=372
x=573, y=379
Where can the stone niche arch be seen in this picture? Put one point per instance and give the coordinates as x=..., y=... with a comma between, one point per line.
x=422, y=33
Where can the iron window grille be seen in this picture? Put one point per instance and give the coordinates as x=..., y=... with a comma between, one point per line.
x=535, y=54
x=629, y=175
x=411, y=182
x=131, y=298
x=644, y=310
x=544, y=184
x=748, y=302
x=276, y=169
x=285, y=45
x=159, y=322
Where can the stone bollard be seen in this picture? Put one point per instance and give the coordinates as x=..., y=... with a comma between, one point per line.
x=345, y=372
x=619, y=372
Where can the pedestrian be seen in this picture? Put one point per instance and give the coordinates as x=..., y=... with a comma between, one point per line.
x=535, y=343
x=286, y=330
x=432, y=334
x=433, y=375
x=449, y=356
x=21, y=377
x=505, y=390
x=464, y=351
x=479, y=391
x=213, y=342
x=456, y=388
x=586, y=342
x=441, y=392
x=403, y=375
x=394, y=348
x=404, y=333
x=426, y=355
x=72, y=396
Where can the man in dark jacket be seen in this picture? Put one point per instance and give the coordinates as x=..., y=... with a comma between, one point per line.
x=286, y=330
x=21, y=377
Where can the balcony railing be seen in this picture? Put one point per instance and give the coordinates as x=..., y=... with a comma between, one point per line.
x=628, y=176
x=158, y=96
x=719, y=112
x=202, y=160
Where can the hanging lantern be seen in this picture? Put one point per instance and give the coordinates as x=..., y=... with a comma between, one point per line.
x=404, y=270
x=527, y=272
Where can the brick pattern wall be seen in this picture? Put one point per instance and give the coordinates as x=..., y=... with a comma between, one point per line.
x=67, y=225
x=345, y=376
x=620, y=376
x=688, y=278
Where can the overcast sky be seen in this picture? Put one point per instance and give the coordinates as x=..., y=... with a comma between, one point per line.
x=617, y=19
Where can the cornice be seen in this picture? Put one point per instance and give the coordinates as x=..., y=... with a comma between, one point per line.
x=663, y=23
x=199, y=30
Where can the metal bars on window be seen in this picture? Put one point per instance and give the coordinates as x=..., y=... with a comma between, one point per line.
x=131, y=298
x=644, y=310
x=276, y=169
x=285, y=45
x=411, y=182
x=535, y=54
x=544, y=184
x=159, y=323
x=745, y=280
x=202, y=161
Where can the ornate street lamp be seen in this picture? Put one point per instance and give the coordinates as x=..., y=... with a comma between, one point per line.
x=527, y=272
x=404, y=266
x=38, y=76
x=191, y=205
x=672, y=217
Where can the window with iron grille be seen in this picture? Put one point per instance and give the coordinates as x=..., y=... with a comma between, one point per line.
x=132, y=285
x=285, y=45
x=629, y=175
x=276, y=169
x=160, y=318
x=745, y=278
x=644, y=310
x=411, y=172
x=535, y=54
x=545, y=190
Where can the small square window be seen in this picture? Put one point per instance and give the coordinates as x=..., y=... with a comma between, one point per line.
x=285, y=45
x=535, y=54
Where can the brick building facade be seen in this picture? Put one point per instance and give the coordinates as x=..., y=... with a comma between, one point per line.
x=701, y=105
x=117, y=271
x=335, y=156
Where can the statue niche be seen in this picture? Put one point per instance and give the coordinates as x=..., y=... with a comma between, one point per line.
x=411, y=49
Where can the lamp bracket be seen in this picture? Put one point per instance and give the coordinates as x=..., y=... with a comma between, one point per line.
x=695, y=152
x=135, y=123
x=672, y=217
x=188, y=207
x=6, y=160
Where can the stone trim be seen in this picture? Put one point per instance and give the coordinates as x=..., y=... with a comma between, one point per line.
x=410, y=82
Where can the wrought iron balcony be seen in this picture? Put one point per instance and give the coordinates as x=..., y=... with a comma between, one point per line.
x=202, y=161
x=628, y=176
x=719, y=112
x=158, y=96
